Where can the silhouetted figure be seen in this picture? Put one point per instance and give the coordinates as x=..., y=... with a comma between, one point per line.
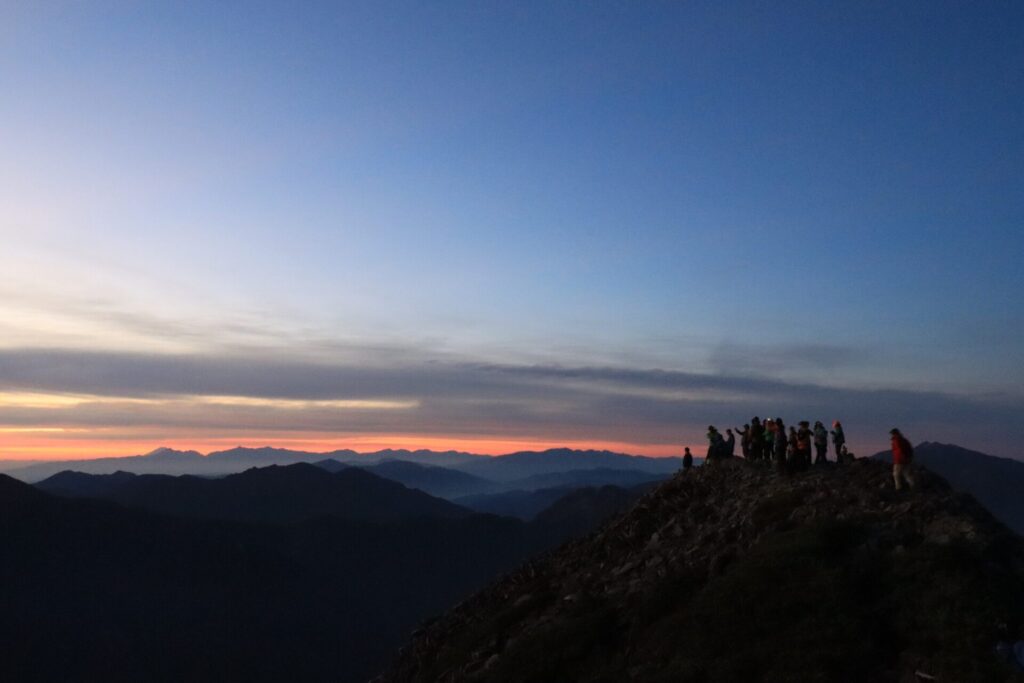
x=730, y=444
x=687, y=458
x=820, y=443
x=745, y=440
x=757, y=439
x=770, y=428
x=838, y=438
x=715, y=444
x=803, y=443
x=779, y=443
x=902, y=460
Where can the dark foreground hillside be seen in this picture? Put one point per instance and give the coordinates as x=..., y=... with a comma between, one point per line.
x=295, y=574
x=92, y=591
x=732, y=573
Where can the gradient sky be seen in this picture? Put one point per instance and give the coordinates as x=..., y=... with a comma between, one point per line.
x=493, y=226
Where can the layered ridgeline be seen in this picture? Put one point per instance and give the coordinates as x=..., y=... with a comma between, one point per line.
x=733, y=573
x=449, y=474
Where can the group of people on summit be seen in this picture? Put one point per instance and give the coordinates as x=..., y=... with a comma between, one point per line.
x=769, y=441
x=791, y=451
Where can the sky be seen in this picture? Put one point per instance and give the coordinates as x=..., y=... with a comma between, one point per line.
x=494, y=226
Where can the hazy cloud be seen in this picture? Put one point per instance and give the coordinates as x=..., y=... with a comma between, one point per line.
x=448, y=397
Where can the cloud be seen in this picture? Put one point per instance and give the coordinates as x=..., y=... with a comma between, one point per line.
x=765, y=359
x=415, y=394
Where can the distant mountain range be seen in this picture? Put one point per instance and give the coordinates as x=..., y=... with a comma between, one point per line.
x=503, y=468
x=997, y=483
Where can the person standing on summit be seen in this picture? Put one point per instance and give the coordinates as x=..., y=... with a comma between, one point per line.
x=820, y=443
x=744, y=440
x=715, y=445
x=838, y=438
x=779, y=444
x=757, y=440
x=902, y=459
x=803, y=443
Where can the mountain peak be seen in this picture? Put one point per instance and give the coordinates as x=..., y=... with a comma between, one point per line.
x=166, y=452
x=732, y=572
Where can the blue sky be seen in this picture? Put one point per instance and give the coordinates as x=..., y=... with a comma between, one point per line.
x=809, y=195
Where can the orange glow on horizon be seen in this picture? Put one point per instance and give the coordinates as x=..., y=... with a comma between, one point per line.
x=78, y=444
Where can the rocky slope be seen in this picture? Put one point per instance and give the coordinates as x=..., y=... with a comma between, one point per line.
x=734, y=573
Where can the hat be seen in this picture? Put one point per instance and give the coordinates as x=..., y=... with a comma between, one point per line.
x=804, y=422
x=894, y=430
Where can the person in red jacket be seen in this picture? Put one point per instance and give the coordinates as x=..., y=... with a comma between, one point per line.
x=902, y=459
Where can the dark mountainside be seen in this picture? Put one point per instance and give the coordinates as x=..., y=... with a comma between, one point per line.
x=582, y=510
x=514, y=466
x=437, y=481
x=527, y=505
x=598, y=476
x=113, y=593
x=734, y=573
x=519, y=504
x=997, y=483
x=269, y=494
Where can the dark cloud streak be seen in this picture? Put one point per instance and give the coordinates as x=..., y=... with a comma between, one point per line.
x=472, y=398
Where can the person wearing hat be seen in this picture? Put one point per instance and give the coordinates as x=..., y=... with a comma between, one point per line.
x=902, y=459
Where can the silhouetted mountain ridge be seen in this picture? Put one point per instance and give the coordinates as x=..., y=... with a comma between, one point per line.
x=276, y=493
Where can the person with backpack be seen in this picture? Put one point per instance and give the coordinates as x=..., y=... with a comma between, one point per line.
x=902, y=459
x=820, y=443
x=687, y=459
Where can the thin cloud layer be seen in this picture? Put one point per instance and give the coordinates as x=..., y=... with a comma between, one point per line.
x=413, y=394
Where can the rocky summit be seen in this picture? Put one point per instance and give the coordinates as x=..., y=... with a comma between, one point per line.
x=732, y=572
